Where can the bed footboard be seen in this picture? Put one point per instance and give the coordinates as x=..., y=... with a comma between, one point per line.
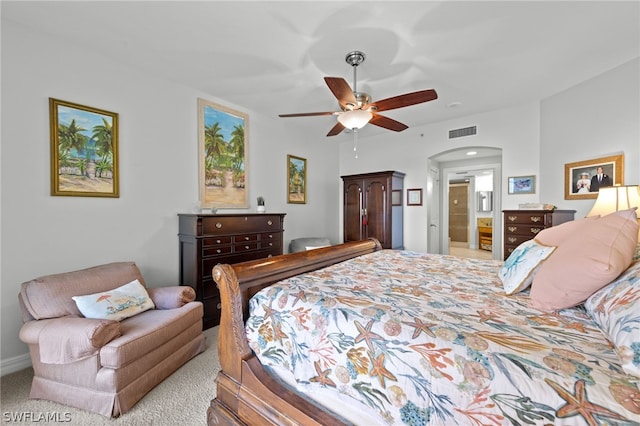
x=246, y=393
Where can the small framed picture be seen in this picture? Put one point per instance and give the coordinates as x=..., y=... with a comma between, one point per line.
x=296, y=180
x=414, y=197
x=522, y=184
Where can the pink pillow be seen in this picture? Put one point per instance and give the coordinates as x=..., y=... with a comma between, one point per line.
x=556, y=235
x=597, y=252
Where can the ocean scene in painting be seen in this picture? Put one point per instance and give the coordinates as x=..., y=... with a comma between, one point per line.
x=85, y=151
x=224, y=158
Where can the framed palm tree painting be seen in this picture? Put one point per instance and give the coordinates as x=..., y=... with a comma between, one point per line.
x=84, y=150
x=223, y=147
x=296, y=180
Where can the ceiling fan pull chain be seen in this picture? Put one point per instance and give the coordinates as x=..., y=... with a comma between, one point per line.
x=355, y=143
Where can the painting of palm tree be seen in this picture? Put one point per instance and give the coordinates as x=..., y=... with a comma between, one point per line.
x=296, y=180
x=84, y=148
x=223, y=142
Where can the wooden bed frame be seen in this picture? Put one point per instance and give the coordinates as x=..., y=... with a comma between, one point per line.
x=246, y=393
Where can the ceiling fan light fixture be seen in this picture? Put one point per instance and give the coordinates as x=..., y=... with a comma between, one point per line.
x=355, y=119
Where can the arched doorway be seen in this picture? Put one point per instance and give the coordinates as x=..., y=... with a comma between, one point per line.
x=460, y=167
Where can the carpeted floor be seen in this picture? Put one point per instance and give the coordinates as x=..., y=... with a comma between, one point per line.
x=181, y=399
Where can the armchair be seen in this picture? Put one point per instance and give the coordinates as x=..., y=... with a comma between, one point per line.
x=104, y=365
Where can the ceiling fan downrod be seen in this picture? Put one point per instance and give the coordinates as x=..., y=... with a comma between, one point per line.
x=354, y=59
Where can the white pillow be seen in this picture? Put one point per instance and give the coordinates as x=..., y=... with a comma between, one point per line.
x=518, y=270
x=120, y=303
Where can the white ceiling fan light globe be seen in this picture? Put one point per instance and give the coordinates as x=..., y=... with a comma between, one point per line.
x=355, y=119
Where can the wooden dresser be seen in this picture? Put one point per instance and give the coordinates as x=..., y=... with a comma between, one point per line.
x=209, y=239
x=523, y=225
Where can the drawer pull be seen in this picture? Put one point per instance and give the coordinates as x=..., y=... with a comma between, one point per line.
x=269, y=223
x=512, y=239
x=535, y=218
x=218, y=251
x=535, y=230
x=270, y=244
x=218, y=241
x=512, y=228
x=219, y=306
x=270, y=236
x=246, y=238
x=512, y=218
x=246, y=247
x=270, y=255
x=218, y=225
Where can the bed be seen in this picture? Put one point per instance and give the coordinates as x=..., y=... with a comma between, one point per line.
x=354, y=334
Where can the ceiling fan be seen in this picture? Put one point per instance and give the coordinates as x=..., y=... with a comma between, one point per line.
x=357, y=108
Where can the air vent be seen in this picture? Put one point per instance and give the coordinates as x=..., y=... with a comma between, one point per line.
x=458, y=133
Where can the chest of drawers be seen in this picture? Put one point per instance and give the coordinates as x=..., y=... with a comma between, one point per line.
x=208, y=239
x=524, y=225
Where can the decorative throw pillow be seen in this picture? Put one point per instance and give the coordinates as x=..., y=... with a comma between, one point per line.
x=616, y=310
x=556, y=235
x=586, y=261
x=117, y=304
x=521, y=265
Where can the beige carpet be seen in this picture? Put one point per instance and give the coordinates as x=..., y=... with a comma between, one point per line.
x=181, y=399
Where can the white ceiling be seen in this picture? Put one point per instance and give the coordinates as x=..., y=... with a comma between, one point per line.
x=271, y=57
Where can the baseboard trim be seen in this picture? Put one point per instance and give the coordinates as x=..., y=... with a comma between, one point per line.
x=17, y=363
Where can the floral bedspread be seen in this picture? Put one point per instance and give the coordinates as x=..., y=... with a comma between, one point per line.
x=433, y=340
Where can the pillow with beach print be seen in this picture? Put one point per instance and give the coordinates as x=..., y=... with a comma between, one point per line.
x=117, y=304
x=518, y=270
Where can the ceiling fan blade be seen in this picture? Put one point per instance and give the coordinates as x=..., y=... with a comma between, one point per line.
x=401, y=101
x=388, y=123
x=307, y=114
x=336, y=129
x=342, y=91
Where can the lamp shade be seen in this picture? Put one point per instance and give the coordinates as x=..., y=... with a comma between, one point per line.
x=614, y=198
x=355, y=119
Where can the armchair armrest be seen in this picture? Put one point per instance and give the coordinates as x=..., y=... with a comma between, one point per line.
x=171, y=297
x=68, y=339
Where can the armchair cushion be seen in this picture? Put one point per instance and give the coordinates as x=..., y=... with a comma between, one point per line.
x=50, y=296
x=171, y=297
x=117, y=304
x=68, y=339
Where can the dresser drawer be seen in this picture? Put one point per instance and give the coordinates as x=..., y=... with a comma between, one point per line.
x=526, y=218
x=234, y=225
x=515, y=240
x=242, y=239
x=216, y=241
x=216, y=251
x=528, y=230
x=246, y=246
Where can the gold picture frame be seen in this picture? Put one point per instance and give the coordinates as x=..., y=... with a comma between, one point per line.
x=579, y=187
x=296, y=180
x=223, y=150
x=84, y=150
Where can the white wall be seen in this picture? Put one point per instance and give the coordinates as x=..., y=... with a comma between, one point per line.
x=597, y=118
x=42, y=234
